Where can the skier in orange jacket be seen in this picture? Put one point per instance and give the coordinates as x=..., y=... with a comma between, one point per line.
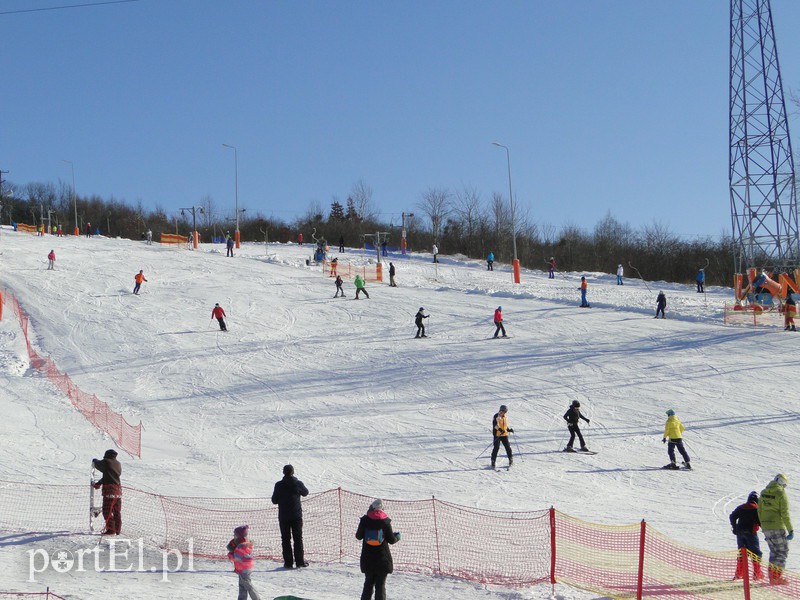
x=139, y=278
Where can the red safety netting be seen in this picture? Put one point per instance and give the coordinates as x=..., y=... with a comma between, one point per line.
x=349, y=270
x=127, y=436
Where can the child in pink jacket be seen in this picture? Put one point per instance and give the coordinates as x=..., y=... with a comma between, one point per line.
x=240, y=551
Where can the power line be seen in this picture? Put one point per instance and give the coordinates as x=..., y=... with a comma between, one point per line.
x=29, y=10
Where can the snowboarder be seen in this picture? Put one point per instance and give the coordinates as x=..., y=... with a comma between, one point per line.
x=673, y=431
x=229, y=247
x=745, y=523
x=338, y=281
x=498, y=322
x=789, y=311
x=583, y=288
x=701, y=279
x=341, y=243
x=149, y=237
x=620, y=272
x=490, y=261
x=375, y=531
x=218, y=313
x=360, y=286
x=418, y=322
x=500, y=431
x=661, y=304
x=51, y=258
x=391, y=276
x=138, y=278
x=572, y=417
x=112, y=490
x=551, y=273
x=240, y=552
x=286, y=495
x=435, y=252
x=773, y=513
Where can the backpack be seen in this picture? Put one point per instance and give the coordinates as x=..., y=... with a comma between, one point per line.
x=373, y=537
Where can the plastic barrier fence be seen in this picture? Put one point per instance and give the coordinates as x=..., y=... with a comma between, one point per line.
x=26, y=228
x=173, y=238
x=349, y=270
x=754, y=315
x=497, y=547
x=126, y=436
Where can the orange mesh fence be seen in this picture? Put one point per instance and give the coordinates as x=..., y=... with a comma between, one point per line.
x=26, y=228
x=754, y=314
x=173, y=238
x=349, y=270
x=127, y=436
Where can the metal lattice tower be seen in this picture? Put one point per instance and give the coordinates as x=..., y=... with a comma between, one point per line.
x=761, y=174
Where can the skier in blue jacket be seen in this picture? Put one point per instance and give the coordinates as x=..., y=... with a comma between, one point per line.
x=490, y=261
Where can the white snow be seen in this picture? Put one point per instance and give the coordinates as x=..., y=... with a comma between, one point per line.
x=341, y=390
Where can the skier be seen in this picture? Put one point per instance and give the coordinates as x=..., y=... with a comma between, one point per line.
x=661, y=304
x=338, y=282
x=51, y=260
x=435, y=251
x=583, y=288
x=300, y=239
x=673, y=431
x=229, y=247
x=498, y=322
x=59, y=233
x=218, y=313
x=391, y=276
x=789, y=311
x=375, y=531
x=333, y=264
x=112, y=490
x=138, y=278
x=286, y=495
x=551, y=273
x=360, y=286
x=240, y=552
x=341, y=243
x=500, y=431
x=701, y=279
x=620, y=272
x=418, y=322
x=773, y=513
x=88, y=230
x=490, y=261
x=572, y=417
x=745, y=524
x=149, y=237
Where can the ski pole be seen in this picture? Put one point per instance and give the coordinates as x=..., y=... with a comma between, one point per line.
x=484, y=450
x=516, y=443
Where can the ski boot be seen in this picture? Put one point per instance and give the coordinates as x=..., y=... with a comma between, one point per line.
x=584, y=449
x=568, y=449
x=493, y=465
x=687, y=465
x=671, y=466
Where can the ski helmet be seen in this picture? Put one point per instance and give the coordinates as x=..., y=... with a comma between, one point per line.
x=670, y=413
x=217, y=304
x=781, y=479
x=576, y=403
x=753, y=497
x=421, y=309
x=503, y=408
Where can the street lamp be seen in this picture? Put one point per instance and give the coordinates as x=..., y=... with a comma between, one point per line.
x=513, y=213
x=236, y=167
x=77, y=231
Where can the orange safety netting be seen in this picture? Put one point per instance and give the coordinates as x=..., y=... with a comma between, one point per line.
x=349, y=270
x=26, y=228
x=173, y=238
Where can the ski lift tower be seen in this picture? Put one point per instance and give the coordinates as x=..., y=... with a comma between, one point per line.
x=761, y=166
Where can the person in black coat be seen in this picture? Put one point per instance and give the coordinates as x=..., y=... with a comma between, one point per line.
x=290, y=516
x=341, y=243
x=112, y=490
x=661, y=304
x=375, y=529
x=418, y=322
x=572, y=417
x=391, y=275
x=745, y=523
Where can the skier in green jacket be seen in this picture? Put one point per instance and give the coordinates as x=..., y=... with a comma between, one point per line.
x=773, y=512
x=360, y=286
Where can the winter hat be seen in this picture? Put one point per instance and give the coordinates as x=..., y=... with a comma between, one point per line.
x=499, y=308
x=503, y=408
x=670, y=413
x=288, y=470
x=753, y=497
x=110, y=453
x=377, y=504
x=576, y=403
x=217, y=304
x=781, y=479
x=421, y=309
x=241, y=531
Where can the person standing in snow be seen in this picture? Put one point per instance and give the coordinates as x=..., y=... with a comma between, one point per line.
x=338, y=282
x=435, y=252
x=375, y=531
x=498, y=322
x=490, y=261
x=138, y=279
x=229, y=247
x=500, y=431
x=745, y=523
x=240, y=552
x=773, y=513
x=701, y=280
x=419, y=324
x=219, y=314
x=149, y=237
x=359, y=282
x=584, y=287
x=789, y=311
x=620, y=272
x=341, y=243
x=51, y=258
x=573, y=417
x=551, y=273
x=391, y=275
x=300, y=239
x=673, y=431
x=661, y=304
x=111, y=486
x=88, y=230
x=287, y=495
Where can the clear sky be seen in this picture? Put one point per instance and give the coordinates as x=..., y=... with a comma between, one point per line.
x=614, y=105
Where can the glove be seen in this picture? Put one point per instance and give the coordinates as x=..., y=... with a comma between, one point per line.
x=397, y=535
x=663, y=440
x=97, y=486
x=588, y=421
x=790, y=537
x=510, y=430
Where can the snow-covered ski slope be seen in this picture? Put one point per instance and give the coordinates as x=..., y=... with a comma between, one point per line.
x=342, y=390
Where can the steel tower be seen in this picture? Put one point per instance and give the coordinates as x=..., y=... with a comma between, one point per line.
x=761, y=165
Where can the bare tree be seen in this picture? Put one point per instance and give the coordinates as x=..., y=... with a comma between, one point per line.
x=435, y=203
x=209, y=210
x=500, y=213
x=467, y=209
x=362, y=197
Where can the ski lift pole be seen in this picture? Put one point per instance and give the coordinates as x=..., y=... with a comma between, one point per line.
x=640, y=276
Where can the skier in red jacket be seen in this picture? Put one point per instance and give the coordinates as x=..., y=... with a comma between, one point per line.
x=218, y=313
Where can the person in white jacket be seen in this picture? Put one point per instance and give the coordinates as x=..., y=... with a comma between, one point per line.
x=619, y=275
x=435, y=252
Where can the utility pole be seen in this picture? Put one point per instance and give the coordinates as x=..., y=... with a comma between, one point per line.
x=195, y=210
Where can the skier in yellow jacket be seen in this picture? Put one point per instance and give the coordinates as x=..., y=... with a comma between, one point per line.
x=673, y=431
x=500, y=430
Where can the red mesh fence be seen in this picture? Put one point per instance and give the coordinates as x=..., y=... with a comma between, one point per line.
x=501, y=548
x=127, y=436
x=349, y=270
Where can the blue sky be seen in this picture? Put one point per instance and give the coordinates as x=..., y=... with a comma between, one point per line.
x=615, y=105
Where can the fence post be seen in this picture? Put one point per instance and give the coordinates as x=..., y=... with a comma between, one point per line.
x=552, y=545
x=640, y=575
x=745, y=572
x=341, y=524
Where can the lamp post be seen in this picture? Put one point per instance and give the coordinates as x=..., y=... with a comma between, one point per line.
x=403, y=243
x=513, y=213
x=77, y=231
x=236, y=167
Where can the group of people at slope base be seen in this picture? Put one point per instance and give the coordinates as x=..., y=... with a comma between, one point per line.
x=770, y=513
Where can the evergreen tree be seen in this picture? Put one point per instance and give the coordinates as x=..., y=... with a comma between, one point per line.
x=337, y=212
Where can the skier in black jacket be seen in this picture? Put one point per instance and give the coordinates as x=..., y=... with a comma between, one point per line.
x=112, y=490
x=375, y=529
x=290, y=516
x=418, y=321
x=745, y=524
x=661, y=304
x=572, y=417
